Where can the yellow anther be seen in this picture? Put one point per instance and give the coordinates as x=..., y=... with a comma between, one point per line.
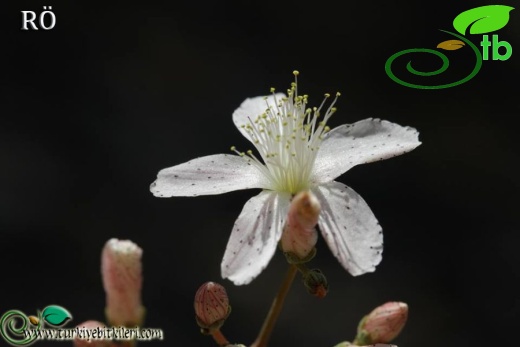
x=296, y=72
x=233, y=148
x=327, y=95
x=250, y=152
x=272, y=90
x=338, y=94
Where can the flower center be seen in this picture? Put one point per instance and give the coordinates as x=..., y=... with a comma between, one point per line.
x=288, y=136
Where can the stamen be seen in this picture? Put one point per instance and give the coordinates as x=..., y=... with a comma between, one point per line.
x=287, y=136
x=331, y=107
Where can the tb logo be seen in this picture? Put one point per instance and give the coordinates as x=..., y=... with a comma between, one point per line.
x=479, y=20
x=495, y=45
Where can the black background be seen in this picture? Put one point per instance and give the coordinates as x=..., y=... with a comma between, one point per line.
x=92, y=109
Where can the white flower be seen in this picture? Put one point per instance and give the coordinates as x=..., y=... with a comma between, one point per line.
x=297, y=152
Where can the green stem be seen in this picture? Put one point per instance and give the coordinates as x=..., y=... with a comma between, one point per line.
x=276, y=308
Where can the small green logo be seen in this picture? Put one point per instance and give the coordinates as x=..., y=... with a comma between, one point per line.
x=15, y=325
x=479, y=20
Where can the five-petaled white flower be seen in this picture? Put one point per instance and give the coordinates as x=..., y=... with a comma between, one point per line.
x=298, y=152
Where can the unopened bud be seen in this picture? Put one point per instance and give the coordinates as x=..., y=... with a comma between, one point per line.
x=89, y=341
x=316, y=283
x=299, y=235
x=121, y=269
x=383, y=324
x=211, y=306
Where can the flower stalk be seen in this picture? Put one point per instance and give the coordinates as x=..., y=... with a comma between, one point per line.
x=219, y=338
x=276, y=308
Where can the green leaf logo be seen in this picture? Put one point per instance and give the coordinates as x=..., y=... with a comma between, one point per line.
x=56, y=315
x=484, y=19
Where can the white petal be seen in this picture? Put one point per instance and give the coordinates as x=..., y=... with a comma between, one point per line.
x=255, y=236
x=214, y=174
x=251, y=108
x=362, y=142
x=349, y=227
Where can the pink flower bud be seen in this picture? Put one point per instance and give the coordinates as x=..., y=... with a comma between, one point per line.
x=90, y=325
x=122, y=279
x=384, y=323
x=300, y=236
x=211, y=305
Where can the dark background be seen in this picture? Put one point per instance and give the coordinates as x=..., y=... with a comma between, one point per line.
x=92, y=109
